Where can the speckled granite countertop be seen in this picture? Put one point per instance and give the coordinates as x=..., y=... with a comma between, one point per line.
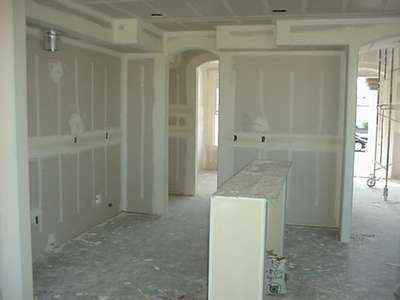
x=259, y=179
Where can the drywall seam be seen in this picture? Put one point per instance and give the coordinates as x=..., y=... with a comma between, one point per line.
x=92, y=94
x=60, y=190
x=327, y=148
x=124, y=147
x=317, y=178
x=261, y=97
x=40, y=190
x=78, y=183
x=63, y=144
x=291, y=101
x=319, y=129
x=77, y=108
x=93, y=179
x=107, y=134
x=37, y=93
x=58, y=106
x=76, y=80
x=106, y=172
x=178, y=89
x=105, y=97
x=285, y=53
x=177, y=159
x=289, y=191
x=142, y=129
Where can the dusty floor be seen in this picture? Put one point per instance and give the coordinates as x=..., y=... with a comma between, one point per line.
x=143, y=257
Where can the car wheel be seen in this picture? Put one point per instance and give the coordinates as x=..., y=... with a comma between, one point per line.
x=358, y=146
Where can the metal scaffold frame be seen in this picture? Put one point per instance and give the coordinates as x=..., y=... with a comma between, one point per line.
x=384, y=121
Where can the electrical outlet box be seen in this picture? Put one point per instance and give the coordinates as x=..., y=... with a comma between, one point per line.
x=36, y=216
x=99, y=199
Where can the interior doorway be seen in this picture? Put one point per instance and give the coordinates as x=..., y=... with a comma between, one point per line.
x=207, y=78
x=193, y=123
x=364, y=145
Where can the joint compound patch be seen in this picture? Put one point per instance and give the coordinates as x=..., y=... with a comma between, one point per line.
x=76, y=124
x=51, y=243
x=56, y=71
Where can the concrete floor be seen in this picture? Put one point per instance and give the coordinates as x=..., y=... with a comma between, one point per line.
x=143, y=257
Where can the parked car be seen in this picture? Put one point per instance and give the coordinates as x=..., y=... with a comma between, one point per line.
x=360, y=143
x=362, y=133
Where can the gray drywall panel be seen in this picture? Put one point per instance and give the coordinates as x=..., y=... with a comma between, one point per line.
x=86, y=188
x=246, y=101
x=114, y=175
x=38, y=239
x=243, y=156
x=297, y=99
x=301, y=205
x=306, y=99
x=331, y=109
x=70, y=195
x=277, y=155
x=177, y=157
x=50, y=199
x=140, y=135
x=67, y=87
x=114, y=93
x=99, y=93
x=173, y=93
x=85, y=88
x=31, y=87
x=63, y=186
x=328, y=208
x=99, y=173
x=47, y=94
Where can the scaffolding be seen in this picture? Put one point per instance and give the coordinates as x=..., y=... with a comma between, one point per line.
x=385, y=119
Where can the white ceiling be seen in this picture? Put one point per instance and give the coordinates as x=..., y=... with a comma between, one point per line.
x=206, y=14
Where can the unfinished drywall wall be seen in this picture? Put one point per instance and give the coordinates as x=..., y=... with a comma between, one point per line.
x=15, y=245
x=140, y=106
x=182, y=120
x=145, y=131
x=288, y=105
x=74, y=135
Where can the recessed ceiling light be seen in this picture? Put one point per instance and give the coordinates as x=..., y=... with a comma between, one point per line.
x=157, y=15
x=279, y=10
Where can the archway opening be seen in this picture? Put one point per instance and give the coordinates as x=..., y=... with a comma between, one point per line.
x=193, y=123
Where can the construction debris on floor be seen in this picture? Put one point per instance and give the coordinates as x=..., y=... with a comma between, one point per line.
x=143, y=257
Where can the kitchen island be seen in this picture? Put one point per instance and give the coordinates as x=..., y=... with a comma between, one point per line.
x=247, y=219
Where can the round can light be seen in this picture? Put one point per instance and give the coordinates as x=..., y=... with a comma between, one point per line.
x=51, y=41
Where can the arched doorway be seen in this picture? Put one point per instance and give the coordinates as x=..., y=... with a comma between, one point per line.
x=193, y=115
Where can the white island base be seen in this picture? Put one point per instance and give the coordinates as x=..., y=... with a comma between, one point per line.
x=247, y=218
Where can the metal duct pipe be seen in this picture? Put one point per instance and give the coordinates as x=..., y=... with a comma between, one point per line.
x=51, y=41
